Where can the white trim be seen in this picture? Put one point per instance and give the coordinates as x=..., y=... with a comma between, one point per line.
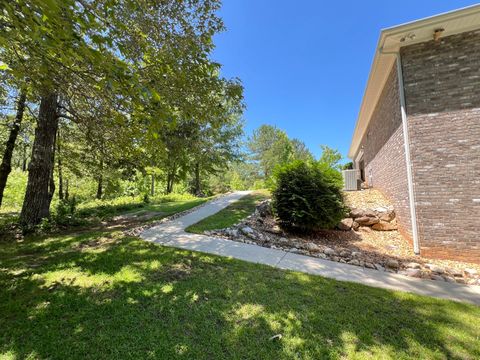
x=454, y=22
x=357, y=164
x=411, y=193
x=435, y=19
x=359, y=156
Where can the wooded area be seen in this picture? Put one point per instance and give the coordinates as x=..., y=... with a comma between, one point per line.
x=112, y=90
x=101, y=99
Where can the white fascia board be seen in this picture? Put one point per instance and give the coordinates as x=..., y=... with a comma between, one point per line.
x=454, y=22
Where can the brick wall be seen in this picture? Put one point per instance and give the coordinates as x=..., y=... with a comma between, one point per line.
x=384, y=155
x=442, y=89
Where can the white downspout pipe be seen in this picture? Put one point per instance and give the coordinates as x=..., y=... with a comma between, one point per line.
x=406, y=139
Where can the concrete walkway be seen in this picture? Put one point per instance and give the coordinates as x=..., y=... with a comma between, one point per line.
x=172, y=233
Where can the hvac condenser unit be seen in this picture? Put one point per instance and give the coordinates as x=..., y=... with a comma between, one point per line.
x=350, y=180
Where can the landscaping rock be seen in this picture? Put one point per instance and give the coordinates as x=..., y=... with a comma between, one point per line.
x=312, y=247
x=345, y=224
x=370, y=213
x=426, y=274
x=344, y=253
x=247, y=230
x=379, y=267
x=470, y=272
x=232, y=232
x=329, y=251
x=435, y=268
x=455, y=272
x=417, y=273
x=392, y=264
x=264, y=209
x=356, y=213
x=261, y=229
x=356, y=254
x=384, y=226
x=275, y=230
x=387, y=216
x=367, y=220
x=413, y=265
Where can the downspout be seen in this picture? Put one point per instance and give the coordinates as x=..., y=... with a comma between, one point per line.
x=411, y=194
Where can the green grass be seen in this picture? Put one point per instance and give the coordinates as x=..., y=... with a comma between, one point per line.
x=231, y=214
x=167, y=204
x=92, y=212
x=107, y=296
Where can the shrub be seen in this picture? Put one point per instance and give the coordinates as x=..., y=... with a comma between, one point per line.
x=65, y=212
x=307, y=196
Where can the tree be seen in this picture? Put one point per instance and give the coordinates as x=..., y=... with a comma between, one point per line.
x=217, y=144
x=48, y=43
x=330, y=157
x=270, y=147
x=36, y=205
x=300, y=151
x=146, y=61
x=6, y=165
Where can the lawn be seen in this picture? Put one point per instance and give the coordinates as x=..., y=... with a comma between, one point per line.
x=91, y=213
x=108, y=296
x=164, y=205
x=231, y=214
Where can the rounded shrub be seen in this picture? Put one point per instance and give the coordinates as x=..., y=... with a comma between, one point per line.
x=307, y=196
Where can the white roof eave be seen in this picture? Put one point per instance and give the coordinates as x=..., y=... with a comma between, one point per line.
x=454, y=22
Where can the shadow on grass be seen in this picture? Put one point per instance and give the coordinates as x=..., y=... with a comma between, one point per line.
x=103, y=295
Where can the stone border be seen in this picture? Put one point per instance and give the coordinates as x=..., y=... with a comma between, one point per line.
x=248, y=232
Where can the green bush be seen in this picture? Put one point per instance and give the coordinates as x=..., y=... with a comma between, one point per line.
x=307, y=196
x=65, y=212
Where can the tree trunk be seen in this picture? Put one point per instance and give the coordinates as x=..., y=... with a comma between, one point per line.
x=51, y=187
x=100, y=181
x=36, y=204
x=170, y=177
x=59, y=167
x=24, y=158
x=197, y=190
x=6, y=166
x=66, y=189
x=152, y=187
x=99, y=187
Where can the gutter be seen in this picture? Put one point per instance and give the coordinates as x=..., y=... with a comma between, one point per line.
x=406, y=138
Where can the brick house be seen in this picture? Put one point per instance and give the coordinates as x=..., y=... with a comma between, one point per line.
x=417, y=137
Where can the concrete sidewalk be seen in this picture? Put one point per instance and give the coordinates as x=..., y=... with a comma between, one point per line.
x=172, y=234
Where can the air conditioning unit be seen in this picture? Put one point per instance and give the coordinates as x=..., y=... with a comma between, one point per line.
x=350, y=180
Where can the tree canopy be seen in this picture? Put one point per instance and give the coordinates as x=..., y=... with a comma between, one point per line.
x=118, y=87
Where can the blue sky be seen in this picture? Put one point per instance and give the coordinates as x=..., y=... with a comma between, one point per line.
x=304, y=63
